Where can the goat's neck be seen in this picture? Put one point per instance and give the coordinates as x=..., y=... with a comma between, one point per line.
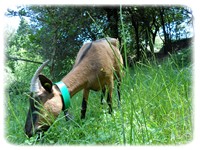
x=75, y=80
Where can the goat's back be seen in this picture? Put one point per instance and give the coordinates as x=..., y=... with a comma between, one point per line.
x=98, y=60
x=101, y=50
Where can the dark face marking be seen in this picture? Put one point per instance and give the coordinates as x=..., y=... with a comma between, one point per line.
x=32, y=117
x=43, y=110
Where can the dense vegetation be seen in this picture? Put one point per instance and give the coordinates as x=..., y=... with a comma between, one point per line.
x=156, y=106
x=57, y=32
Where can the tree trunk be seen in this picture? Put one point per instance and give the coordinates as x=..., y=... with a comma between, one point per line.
x=113, y=18
x=150, y=40
x=136, y=28
x=53, y=55
x=167, y=42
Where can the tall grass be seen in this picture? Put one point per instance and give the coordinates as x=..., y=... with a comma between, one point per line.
x=156, y=108
x=159, y=104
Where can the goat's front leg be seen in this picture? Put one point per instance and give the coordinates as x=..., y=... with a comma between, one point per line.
x=84, y=103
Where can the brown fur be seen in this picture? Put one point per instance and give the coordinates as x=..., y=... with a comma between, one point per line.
x=94, y=69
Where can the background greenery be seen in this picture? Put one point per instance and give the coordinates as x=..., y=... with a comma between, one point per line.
x=156, y=44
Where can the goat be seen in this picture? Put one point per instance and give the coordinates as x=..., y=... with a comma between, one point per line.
x=97, y=64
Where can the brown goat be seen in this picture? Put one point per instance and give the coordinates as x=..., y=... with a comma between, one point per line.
x=97, y=65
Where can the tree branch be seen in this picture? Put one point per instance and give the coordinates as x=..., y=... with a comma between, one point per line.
x=21, y=59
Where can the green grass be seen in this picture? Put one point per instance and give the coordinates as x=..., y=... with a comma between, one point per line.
x=156, y=109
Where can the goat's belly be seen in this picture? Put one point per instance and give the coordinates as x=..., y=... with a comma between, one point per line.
x=95, y=90
x=98, y=81
x=96, y=85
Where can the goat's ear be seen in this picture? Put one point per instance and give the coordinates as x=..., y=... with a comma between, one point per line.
x=46, y=83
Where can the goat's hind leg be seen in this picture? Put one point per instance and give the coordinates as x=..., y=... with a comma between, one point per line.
x=118, y=92
x=103, y=94
x=109, y=97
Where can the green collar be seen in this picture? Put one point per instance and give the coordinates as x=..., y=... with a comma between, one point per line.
x=65, y=94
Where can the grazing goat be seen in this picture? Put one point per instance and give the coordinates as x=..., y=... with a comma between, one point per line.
x=97, y=64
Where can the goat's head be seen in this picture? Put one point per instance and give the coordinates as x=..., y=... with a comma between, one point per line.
x=45, y=103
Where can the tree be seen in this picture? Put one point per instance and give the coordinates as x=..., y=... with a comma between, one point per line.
x=57, y=32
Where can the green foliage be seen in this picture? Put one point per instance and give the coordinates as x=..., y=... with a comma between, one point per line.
x=57, y=32
x=156, y=108
x=183, y=58
x=156, y=105
x=162, y=103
